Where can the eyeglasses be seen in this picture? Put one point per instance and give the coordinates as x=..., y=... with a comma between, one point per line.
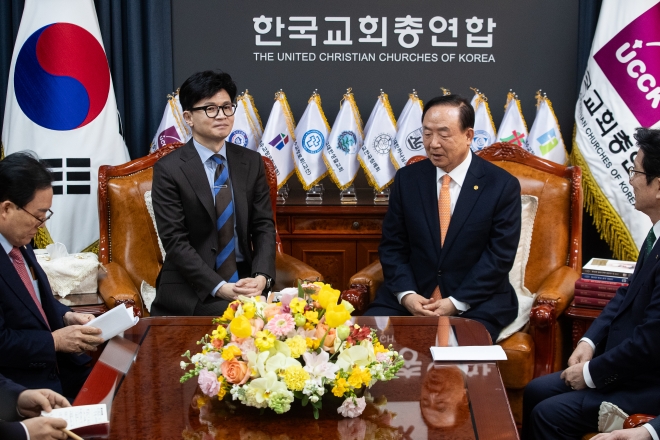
x=212, y=111
x=40, y=220
x=632, y=171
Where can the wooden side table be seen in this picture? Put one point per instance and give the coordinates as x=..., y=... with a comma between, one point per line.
x=337, y=240
x=581, y=319
x=84, y=303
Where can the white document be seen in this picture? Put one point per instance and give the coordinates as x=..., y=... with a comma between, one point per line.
x=477, y=353
x=79, y=416
x=114, y=322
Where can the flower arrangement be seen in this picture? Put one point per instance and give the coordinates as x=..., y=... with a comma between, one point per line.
x=266, y=354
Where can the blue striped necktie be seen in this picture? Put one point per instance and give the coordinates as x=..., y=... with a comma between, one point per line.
x=225, y=261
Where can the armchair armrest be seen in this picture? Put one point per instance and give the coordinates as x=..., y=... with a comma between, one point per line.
x=116, y=287
x=368, y=280
x=636, y=420
x=554, y=295
x=289, y=270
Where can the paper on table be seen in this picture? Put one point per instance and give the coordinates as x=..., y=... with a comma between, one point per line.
x=114, y=322
x=79, y=416
x=478, y=353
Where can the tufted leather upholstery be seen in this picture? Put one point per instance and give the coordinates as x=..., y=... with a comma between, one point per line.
x=554, y=264
x=128, y=245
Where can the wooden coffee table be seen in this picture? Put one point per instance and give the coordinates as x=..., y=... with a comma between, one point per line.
x=429, y=400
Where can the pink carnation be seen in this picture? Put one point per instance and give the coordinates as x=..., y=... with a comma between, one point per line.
x=281, y=324
x=208, y=383
x=352, y=407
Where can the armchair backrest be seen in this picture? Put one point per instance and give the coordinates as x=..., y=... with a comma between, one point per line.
x=557, y=236
x=127, y=233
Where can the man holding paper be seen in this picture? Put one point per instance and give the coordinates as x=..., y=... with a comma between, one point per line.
x=17, y=402
x=618, y=360
x=41, y=340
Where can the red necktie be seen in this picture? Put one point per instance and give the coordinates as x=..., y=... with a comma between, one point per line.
x=444, y=213
x=19, y=265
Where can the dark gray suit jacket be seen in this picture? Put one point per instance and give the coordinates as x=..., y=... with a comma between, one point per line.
x=185, y=215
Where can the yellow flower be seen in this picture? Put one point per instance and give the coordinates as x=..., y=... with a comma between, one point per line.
x=249, y=310
x=312, y=316
x=229, y=314
x=264, y=340
x=359, y=376
x=231, y=352
x=240, y=327
x=327, y=296
x=336, y=315
x=312, y=344
x=340, y=387
x=379, y=348
x=219, y=333
x=295, y=377
x=297, y=345
x=223, y=390
x=297, y=305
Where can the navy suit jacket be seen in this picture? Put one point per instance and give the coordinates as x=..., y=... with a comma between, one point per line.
x=27, y=349
x=626, y=364
x=9, y=428
x=480, y=247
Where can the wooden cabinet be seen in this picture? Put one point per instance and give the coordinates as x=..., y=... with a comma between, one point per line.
x=337, y=240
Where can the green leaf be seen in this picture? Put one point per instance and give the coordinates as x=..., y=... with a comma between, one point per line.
x=305, y=400
x=301, y=294
x=316, y=413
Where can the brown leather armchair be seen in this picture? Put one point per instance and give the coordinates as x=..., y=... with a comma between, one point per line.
x=554, y=264
x=128, y=245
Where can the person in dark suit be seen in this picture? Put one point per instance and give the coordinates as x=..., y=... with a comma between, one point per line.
x=452, y=228
x=618, y=360
x=212, y=206
x=640, y=433
x=41, y=340
x=16, y=403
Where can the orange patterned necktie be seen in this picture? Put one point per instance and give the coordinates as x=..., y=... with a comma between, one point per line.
x=444, y=212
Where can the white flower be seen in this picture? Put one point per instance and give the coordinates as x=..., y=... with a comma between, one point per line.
x=352, y=407
x=279, y=362
x=262, y=387
x=314, y=399
x=355, y=355
x=183, y=365
x=257, y=363
x=318, y=365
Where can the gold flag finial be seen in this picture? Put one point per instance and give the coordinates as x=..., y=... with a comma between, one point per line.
x=445, y=92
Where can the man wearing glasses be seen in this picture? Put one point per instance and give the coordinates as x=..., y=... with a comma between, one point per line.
x=41, y=340
x=618, y=360
x=212, y=207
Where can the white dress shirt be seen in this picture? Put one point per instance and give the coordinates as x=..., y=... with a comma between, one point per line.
x=457, y=178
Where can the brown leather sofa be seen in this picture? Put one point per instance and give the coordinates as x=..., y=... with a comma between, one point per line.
x=128, y=245
x=554, y=264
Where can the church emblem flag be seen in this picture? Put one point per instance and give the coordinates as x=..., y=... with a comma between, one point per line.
x=620, y=91
x=374, y=156
x=247, y=130
x=61, y=105
x=278, y=137
x=513, y=127
x=408, y=140
x=544, y=138
x=344, y=141
x=173, y=128
x=311, y=135
x=484, y=127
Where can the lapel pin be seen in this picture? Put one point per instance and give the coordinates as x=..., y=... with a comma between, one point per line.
x=476, y=187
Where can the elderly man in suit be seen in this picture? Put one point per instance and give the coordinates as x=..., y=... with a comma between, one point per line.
x=452, y=228
x=212, y=207
x=618, y=360
x=41, y=340
x=16, y=402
